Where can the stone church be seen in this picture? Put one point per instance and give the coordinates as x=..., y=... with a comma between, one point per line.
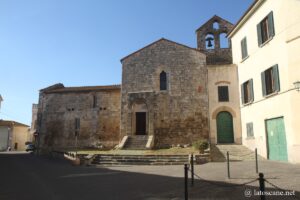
x=170, y=94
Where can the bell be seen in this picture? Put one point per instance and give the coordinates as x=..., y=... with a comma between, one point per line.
x=209, y=39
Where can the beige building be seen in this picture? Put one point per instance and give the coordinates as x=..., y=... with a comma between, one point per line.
x=266, y=46
x=224, y=113
x=14, y=135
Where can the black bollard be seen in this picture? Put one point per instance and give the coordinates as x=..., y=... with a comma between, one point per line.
x=192, y=170
x=261, y=186
x=186, y=168
x=256, y=161
x=228, y=166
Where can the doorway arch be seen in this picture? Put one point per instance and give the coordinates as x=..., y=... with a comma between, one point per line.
x=225, y=127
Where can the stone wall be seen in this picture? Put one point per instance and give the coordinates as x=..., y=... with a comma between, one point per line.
x=178, y=115
x=97, y=109
x=218, y=55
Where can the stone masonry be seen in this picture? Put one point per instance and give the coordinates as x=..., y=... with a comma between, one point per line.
x=97, y=110
x=164, y=92
x=178, y=115
x=217, y=55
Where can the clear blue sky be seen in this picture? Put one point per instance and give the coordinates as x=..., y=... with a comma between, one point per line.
x=81, y=42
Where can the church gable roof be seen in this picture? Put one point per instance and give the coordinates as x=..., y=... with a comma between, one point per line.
x=158, y=41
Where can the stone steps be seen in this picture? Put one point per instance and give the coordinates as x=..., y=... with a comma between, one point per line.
x=137, y=142
x=236, y=153
x=142, y=159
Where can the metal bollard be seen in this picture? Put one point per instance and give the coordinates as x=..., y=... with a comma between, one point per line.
x=261, y=186
x=186, y=168
x=256, y=161
x=228, y=166
x=192, y=169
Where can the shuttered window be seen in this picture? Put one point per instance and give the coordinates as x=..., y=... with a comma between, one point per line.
x=270, y=80
x=223, y=93
x=244, y=48
x=247, y=93
x=249, y=127
x=265, y=29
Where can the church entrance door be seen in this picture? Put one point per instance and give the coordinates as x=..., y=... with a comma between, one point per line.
x=140, y=123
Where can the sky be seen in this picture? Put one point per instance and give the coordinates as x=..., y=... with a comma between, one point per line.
x=81, y=42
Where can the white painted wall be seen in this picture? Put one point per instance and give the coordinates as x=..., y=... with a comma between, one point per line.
x=283, y=49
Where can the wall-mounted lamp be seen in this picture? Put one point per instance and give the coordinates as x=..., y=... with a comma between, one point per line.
x=297, y=85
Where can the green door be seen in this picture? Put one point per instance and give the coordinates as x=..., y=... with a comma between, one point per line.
x=277, y=148
x=224, y=128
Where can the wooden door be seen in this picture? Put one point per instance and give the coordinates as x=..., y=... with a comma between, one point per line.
x=224, y=128
x=277, y=147
x=140, y=123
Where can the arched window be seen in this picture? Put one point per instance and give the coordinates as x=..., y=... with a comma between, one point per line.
x=209, y=41
x=163, y=80
x=216, y=25
x=224, y=41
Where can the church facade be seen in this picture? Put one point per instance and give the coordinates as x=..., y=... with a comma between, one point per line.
x=170, y=94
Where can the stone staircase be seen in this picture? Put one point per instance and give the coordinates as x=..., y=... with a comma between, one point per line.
x=106, y=159
x=236, y=153
x=136, y=142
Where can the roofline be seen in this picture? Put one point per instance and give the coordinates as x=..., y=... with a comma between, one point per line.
x=156, y=42
x=253, y=7
x=84, y=89
x=11, y=122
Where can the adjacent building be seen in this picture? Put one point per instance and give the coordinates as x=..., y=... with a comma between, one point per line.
x=83, y=117
x=14, y=135
x=224, y=112
x=1, y=99
x=33, y=132
x=266, y=46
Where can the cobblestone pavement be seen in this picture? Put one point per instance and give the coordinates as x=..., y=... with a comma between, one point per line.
x=24, y=176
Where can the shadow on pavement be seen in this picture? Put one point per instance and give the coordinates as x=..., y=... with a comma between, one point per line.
x=27, y=177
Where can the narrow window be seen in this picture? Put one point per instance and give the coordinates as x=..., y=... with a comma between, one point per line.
x=247, y=92
x=223, y=93
x=244, y=48
x=265, y=29
x=163, y=80
x=94, y=101
x=249, y=127
x=77, y=124
x=270, y=80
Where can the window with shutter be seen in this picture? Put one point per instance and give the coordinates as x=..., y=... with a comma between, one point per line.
x=270, y=80
x=249, y=127
x=244, y=48
x=265, y=29
x=247, y=92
